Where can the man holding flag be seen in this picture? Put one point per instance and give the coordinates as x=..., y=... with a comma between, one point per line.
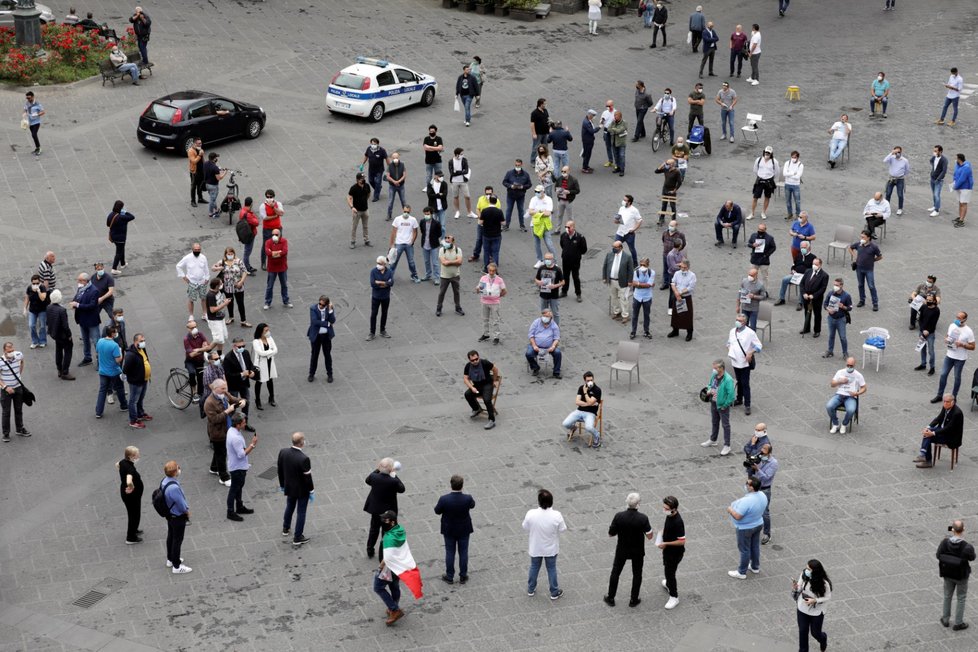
x=397, y=565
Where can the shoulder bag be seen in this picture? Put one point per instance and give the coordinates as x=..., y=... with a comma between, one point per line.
x=753, y=359
x=26, y=395
x=115, y=216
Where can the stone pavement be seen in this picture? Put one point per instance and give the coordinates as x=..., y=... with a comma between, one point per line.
x=855, y=502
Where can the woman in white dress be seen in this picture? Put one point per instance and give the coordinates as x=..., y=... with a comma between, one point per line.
x=264, y=350
x=593, y=15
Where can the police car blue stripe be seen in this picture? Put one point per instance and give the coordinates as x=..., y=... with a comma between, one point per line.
x=357, y=95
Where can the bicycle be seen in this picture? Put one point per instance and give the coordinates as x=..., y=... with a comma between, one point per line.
x=661, y=127
x=231, y=204
x=178, y=388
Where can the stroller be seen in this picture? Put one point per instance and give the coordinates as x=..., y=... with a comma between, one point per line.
x=699, y=136
x=231, y=204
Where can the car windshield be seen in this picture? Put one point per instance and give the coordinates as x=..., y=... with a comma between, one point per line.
x=349, y=80
x=161, y=112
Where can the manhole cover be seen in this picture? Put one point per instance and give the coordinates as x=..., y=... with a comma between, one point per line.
x=98, y=593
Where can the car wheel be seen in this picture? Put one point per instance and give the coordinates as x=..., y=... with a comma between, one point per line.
x=253, y=129
x=188, y=142
x=428, y=96
x=377, y=112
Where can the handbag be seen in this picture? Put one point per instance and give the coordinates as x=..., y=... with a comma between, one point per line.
x=753, y=362
x=27, y=396
x=114, y=217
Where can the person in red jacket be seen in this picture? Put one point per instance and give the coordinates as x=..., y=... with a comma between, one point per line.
x=277, y=256
x=249, y=216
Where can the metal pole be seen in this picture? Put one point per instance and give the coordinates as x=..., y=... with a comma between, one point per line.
x=27, y=23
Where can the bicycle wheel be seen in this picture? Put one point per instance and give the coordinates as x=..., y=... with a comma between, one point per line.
x=656, y=140
x=178, y=389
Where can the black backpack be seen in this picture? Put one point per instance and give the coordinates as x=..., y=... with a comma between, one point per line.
x=160, y=504
x=243, y=229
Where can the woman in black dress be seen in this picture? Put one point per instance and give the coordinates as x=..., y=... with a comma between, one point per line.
x=131, y=490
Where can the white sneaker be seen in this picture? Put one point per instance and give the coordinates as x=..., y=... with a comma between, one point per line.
x=833, y=430
x=749, y=80
x=753, y=570
x=763, y=216
x=731, y=139
x=33, y=346
x=751, y=216
x=110, y=400
x=934, y=213
x=931, y=208
x=736, y=574
x=473, y=215
x=457, y=214
x=672, y=602
x=755, y=83
x=664, y=585
x=842, y=430
x=226, y=483
x=725, y=450
x=169, y=564
x=183, y=569
x=899, y=211
x=538, y=264
x=708, y=442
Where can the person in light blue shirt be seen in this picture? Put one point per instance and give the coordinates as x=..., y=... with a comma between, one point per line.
x=33, y=112
x=109, y=371
x=642, y=283
x=898, y=168
x=238, y=465
x=747, y=515
x=544, y=338
x=881, y=93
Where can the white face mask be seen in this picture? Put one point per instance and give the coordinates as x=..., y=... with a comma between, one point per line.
x=545, y=320
x=35, y=287
x=879, y=78
x=624, y=203
x=380, y=268
x=395, y=160
x=194, y=332
x=275, y=238
x=643, y=269
x=816, y=267
x=590, y=383
x=837, y=288
x=760, y=433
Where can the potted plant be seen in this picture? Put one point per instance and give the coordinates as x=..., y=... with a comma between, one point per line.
x=502, y=9
x=467, y=5
x=484, y=6
x=523, y=9
x=617, y=7
x=449, y=4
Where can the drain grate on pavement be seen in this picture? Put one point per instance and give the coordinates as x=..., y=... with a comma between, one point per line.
x=101, y=591
x=271, y=473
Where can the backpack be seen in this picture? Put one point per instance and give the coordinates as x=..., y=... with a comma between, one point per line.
x=696, y=134
x=160, y=504
x=243, y=230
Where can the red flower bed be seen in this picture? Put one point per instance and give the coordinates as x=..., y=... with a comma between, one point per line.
x=72, y=54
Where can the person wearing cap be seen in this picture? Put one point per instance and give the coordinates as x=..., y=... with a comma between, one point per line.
x=643, y=102
x=588, y=129
x=381, y=282
x=32, y=113
x=356, y=199
x=710, y=40
x=539, y=211
x=766, y=169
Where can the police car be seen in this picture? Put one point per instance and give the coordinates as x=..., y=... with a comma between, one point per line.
x=372, y=87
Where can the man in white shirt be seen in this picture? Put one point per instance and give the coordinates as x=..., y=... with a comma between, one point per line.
x=960, y=339
x=196, y=273
x=607, y=118
x=877, y=211
x=742, y=343
x=954, y=86
x=755, y=54
x=404, y=231
x=544, y=525
x=629, y=221
x=849, y=385
x=665, y=109
x=840, y=131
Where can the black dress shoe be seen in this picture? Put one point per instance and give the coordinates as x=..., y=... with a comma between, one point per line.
x=329, y=378
x=245, y=510
x=271, y=402
x=803, y=332
x=673, y=334
x=779, y=302
x=860, y=304
x=936, y=399
x=635, y=602
x=816, y=333
x=447, y=580
x=689, y=337
x=193, y=203
x=960, y=626
x=920, y=367
x=311, y=378
x=611, y=601
x=930, y=372
x=234, y=517
x=462, y=579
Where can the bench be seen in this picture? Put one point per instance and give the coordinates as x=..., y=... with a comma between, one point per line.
x=110, y=73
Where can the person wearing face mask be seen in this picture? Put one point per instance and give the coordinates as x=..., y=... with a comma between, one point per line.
x=812, y=291
x=618, y=137
x=176, y=522
x=482, y=379
x=36, y=302
x=929, y=313
x=720, y=391
x=812, y=590
x=669, y=236
x=849, y=385
x=131, y=492
x=837, y=304
x=118, y=222
x=880, y=95
x=766, y=169
x=762, y=247
x=138, y=371
x=59, y=330
x=608, y=117
x=86, y=307
x=384, y=487
x=757, y=440
x=791, y=173
x=876, y=212
x=247, y=229
x=671, y=181
x=109, y=372
x=659, y=18
x=550, y=280
x=491, y=221
x=264, y=350
x=631, y=527
x=642, y=284
x=433, y=146
x=573, y=246
x=12, y=390
x=840, y=130
x=924, y=290
x=588, y=129
x=544, y=336
x=742, y=345
x=726, y=99
x=517, y=182
x=681, y=152
x=567, y=191
x=765, y=471
x=752, y=292
x=105, y=285
x=430, y=230
x=233, y=274
x=696, y=101
x=195, y=347
x=404, y=231
x=450, y=259
x=672, y=542
x=277, y=250
x=543, y=165
x=539, y=211
x=954, y=86
x=480, y=205
x=458, y=176
x=213, y=370
x=466, y=89
x=194, y=271
x=803, y=262
x=938, y=170
x=375, y=158
x=216, y=302
x=960, y=339
x=396, y=176
x=588, y=400
x=665, y=109
x=491, y=289
x=946, y=429
x=213, y=173
x=617, y=273
x=437, y=192
x=747, y=516
x=218, y=408
x=356, y=199
x=674, y=258
x=629, y=221
x=558, y=138
x=539, y=127
x=865, y=253
x=320, y=334
x=898, y=168
x=239, y=370
x=381, y=282
x=119, y=321
x=122, y=64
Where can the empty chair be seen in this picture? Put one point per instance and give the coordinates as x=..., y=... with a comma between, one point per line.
x=626, y=359
x=749, y=130
x=764, y=319
x=869, y=349
x=845, y=235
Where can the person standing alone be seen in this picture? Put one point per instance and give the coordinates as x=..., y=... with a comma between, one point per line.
x=456, y=526
x=32, y=114
x=954, y=555
x=295, y=481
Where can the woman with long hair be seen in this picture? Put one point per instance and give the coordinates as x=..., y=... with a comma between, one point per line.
x=812, y=590
x=264, y=350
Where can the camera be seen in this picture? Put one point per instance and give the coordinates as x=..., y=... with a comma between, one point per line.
x=752, y=460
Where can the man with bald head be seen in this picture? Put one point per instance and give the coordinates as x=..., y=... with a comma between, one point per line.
x=194, y=271
x=295, y=481
x=45, y=270
x=218, y=408
x=876, y=212
x=849, y=385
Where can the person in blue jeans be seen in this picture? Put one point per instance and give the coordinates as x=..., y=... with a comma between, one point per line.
x=544, y=525
x=544, y=336
x=136, y=367
x=849, y=385
x=837, y=304
x=726, y=99
x=86, y=307
x=954, y=86
x=938, y=170
x=109, y=371
x=36, y=303
x=376, y=159
x=898, y=168
x=866, y=254
x=517, y=182
x=466, y=88
x=960, y=339
x=747, y=515
x=642, y=283
x=456, y=526
x=927, y=318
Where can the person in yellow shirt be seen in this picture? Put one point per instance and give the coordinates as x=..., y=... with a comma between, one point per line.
x=479, y=206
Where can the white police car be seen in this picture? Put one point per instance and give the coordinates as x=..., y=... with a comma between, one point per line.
x=372, y=87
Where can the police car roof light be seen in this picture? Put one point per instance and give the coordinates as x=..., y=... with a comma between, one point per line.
x=380, y=63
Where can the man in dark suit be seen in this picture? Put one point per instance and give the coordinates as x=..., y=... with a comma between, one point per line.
x=295, y=481
x=320, y=334
x=59, y=330
x=456, y=526
x=238, y=372
x=812, y=288
x=384, y=487
x=629, y=526
x=86, y=316
x=947, y=428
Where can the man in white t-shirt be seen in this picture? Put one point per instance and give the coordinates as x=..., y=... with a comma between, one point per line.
x=840, y=131
x=629, y=221
x=404, y=231
x=954, y=86
x=849, y=385
x=544, y=525
x=960, y=339
x=754, y=45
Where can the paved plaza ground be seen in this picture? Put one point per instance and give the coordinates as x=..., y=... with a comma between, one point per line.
x=854, y=501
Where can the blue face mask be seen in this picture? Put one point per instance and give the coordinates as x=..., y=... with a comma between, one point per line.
x=957, y=322
x=807, y=573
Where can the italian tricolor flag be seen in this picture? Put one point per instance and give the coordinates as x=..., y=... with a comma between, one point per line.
x=397, y=557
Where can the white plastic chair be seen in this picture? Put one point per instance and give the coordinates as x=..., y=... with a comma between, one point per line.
x=844, y=237
x=871, y=350
x=764, y=320
x=626, y=359
x=751, y=126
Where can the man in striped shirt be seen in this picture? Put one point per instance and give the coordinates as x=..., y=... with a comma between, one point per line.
x=12, y=390
x=46, y=270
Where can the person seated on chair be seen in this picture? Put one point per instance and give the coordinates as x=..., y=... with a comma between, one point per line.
x=840, y=130
x=481, y=377
x=88, y=23
x=729, y=217
x=803, y=262
x=588, y=399
x=881, y=94
x=119, y=60
x=877, y=211
x=946, y=428
x=849, y=385
x=71, y=18
x=544, y=337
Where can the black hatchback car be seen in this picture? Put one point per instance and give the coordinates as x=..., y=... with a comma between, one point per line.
x=173, y=121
